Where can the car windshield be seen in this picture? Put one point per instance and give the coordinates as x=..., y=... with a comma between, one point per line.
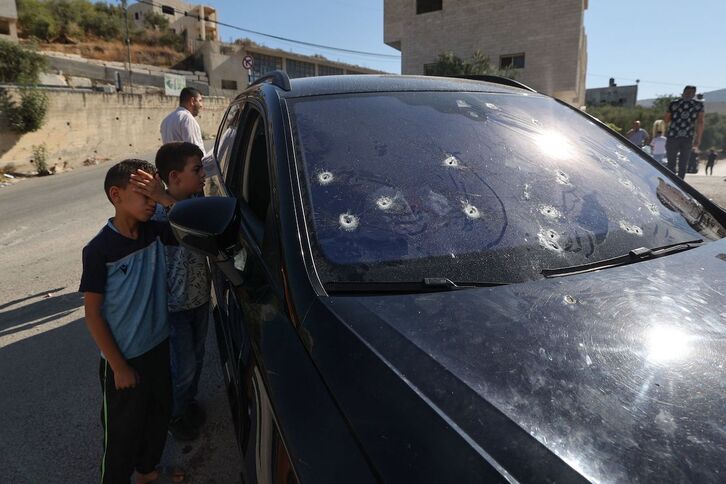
x=475, y=187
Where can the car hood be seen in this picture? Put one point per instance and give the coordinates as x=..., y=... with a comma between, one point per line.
x=620, y=373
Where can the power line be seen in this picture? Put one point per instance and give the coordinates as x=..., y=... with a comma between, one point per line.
x=277, y=37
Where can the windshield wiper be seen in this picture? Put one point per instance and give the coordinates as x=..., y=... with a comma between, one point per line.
x=428, y=284
x=635, y=255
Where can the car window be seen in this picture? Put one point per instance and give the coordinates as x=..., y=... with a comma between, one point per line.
x=256, y=178
x=475, y=187
x=227, y=136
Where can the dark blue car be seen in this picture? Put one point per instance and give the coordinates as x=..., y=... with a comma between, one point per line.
x=444, y=280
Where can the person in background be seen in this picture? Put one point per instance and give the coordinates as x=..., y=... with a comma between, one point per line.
x=711, y=161
x=180, y=124
x=637, y=135
x=685, y=119
x=658, y=145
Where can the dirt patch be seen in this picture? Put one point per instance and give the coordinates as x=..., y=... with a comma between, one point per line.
x=116, y=51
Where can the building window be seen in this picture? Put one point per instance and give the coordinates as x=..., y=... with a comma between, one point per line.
x=167, y=9
x=425, y=6
x=514, y=61
x=136, y=15
x=264, y=64
x=4, y=27
x=227, y=84
x=329, y=71
x=300, y=69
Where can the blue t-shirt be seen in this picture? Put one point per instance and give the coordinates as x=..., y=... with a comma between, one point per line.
x=131, y=274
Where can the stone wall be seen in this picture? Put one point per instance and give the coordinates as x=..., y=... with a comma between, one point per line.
x=105, y=71
x=81, y=125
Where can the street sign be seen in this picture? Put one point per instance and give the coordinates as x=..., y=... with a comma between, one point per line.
x=248, y=62
x=173, y=84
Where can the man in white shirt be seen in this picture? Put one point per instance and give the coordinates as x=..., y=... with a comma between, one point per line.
x=180, y=124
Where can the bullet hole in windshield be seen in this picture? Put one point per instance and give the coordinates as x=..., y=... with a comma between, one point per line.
x=627, y=183
x=536, y=122
x=462, y=104
x=607, y=159
x=384, y=203
x=621, y=156
x=470, y=210
x=621, y=147
x=549, y=239
x=348, y=222
x=653, y=208
x=526, y=192
x=630, y=228
x=325, y=177
x=493, y=107
x=451, y=161
x=549, y=211
x=473, y=114
x=569, y=299
x=562, y=177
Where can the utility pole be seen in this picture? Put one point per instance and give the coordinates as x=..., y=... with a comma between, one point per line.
x=128, y=45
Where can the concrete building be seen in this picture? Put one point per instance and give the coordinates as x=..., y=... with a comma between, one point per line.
x=612, y=95
x=543, y=40
x=195, y=22
x=227, y=76
x=8, y=20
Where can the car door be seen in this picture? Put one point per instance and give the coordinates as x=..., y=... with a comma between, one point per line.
x=288, y=426
x=255, y=305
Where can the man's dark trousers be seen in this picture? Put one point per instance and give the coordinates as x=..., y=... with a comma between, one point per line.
x=135, y=420
x=679, y=149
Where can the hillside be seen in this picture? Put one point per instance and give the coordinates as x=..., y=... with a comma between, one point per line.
x=115, y=50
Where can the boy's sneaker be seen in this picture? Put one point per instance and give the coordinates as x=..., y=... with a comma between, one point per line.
x=195, y=414
x=183, y=430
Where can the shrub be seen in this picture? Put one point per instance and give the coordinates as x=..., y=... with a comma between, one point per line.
x=170, y=39
x=27, y=115
x=156, y=21
x=449, y=64
x=40, y=158
x=36, y=20
x=18, y=64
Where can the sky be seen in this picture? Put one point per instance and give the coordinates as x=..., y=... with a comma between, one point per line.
x=666, y=44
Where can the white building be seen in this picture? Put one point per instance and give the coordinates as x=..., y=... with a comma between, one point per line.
x=195, y=22
x=8, y=20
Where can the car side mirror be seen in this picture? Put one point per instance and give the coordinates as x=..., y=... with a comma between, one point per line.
x=209, y=226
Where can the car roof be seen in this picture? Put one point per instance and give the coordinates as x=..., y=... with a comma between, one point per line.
x=362, y=83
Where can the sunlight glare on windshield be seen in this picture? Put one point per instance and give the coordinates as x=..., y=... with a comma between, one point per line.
x=554, y=145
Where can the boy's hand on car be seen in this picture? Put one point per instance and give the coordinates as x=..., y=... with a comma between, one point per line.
x=125, y=377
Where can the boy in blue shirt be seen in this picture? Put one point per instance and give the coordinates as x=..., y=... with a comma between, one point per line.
x=125, y=291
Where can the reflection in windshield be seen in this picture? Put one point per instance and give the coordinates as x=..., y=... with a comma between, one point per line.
x=475, y=186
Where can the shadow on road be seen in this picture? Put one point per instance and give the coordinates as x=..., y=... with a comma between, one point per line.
x=19, y=300
x=39, y=312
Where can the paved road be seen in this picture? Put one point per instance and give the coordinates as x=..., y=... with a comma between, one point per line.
x=50, y=396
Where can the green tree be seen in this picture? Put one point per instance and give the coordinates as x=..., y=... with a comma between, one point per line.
x=449, y=64
x=36, y=20
x=28, y=114
x=156, y=21
x=19, y=64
